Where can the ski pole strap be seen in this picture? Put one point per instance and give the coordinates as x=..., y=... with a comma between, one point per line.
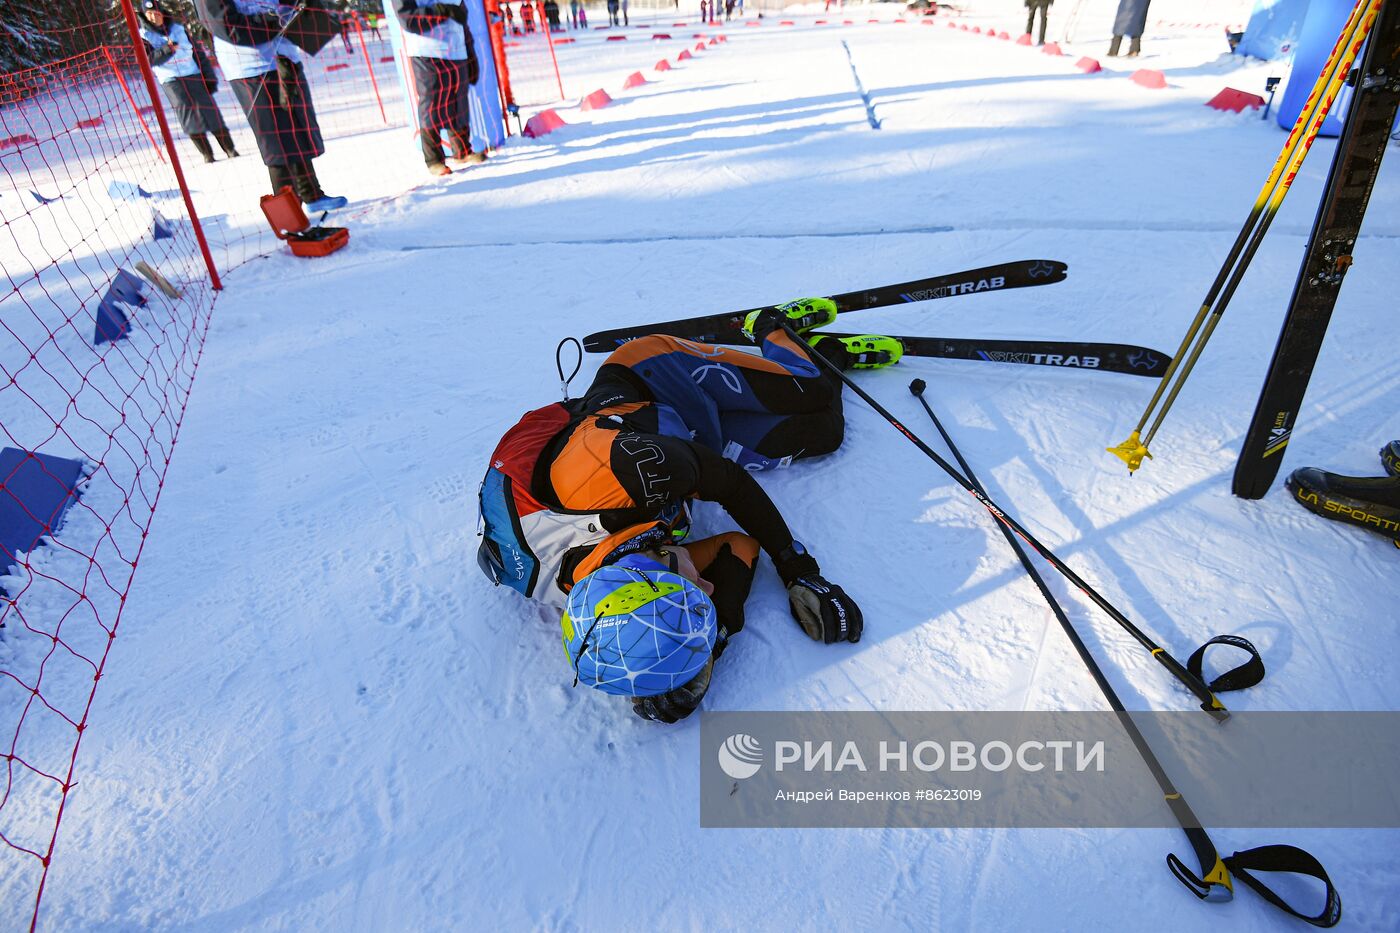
x=1246, y=675
x=1213, y=883
x=559, y=363
x=1215, y=886
x=1290, y=859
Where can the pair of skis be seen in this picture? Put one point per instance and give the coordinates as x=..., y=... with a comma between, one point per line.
x=727, y=327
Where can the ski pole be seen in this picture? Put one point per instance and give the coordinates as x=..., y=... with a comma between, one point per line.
x=1214, y=882
x=1192, y=681
x=1134, y=449
x=1295, y=147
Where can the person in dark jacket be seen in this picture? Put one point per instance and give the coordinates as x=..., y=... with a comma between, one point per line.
x=444, y=64
x=176, y=62
x=1131, y=21
x=265, y=70
x=1043, y=6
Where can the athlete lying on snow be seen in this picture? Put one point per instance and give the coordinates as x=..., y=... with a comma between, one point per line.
x=584, y=505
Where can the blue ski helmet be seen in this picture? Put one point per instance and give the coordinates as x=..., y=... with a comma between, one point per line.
x=636, y=628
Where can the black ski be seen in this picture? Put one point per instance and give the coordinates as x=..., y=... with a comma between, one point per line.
x=1365, y=135
x=1103, y=357
x=727, y=327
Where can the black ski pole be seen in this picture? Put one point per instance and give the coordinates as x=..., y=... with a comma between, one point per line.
x=1213, y=883
x=1190, y=679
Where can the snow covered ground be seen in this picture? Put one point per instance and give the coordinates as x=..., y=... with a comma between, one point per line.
x=321, y=716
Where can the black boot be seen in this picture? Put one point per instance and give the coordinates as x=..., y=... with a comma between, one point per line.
x=305, y=183
x=1135, y=47
x=430, y=141
x=1114, y=46
x=281, y=178
x=1390, y=458
x=1373, y=502
x=226, y=142
x=308, y=188
x=201, y=142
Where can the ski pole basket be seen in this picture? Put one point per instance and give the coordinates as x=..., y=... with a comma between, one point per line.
x=288, y=221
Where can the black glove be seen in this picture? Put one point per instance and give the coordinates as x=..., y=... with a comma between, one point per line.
x=675, y=705
x=473, y=69
x=821, y=607
x=764, y=323
x=824, y=610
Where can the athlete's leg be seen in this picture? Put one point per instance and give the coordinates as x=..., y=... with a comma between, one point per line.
x=707, y=384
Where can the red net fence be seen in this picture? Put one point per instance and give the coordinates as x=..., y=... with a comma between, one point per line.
x=525, y=31
x=119, y=212
x=104, y=304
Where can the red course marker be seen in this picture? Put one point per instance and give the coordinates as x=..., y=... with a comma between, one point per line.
x=1228, y=99
x=595, y=101
x=546, y=121
x=1150, y=78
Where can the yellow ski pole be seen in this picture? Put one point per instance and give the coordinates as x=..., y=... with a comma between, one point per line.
x=1134, y=449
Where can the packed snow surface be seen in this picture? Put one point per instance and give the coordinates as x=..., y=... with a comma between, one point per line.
x=321, y=716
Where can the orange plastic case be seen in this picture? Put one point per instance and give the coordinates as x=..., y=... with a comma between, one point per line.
x=283, y=212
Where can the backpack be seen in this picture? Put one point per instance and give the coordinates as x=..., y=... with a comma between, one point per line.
x=523, y=541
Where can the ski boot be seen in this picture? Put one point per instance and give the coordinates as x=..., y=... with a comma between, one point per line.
x=1390, y=458
x=866, y=351
x=1372, y=502
x=801, y=315
x=226, y=143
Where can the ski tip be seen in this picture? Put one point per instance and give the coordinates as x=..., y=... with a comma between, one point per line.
x=1047, y=270
x=1132, y=452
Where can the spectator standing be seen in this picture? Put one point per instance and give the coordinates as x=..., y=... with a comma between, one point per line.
x=265, y=70
x=442, y=58
x=1043, y=7
x=1131, y=21
x=624, y=14
x=551, y=14
x=187, y=80
x=612, y=12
